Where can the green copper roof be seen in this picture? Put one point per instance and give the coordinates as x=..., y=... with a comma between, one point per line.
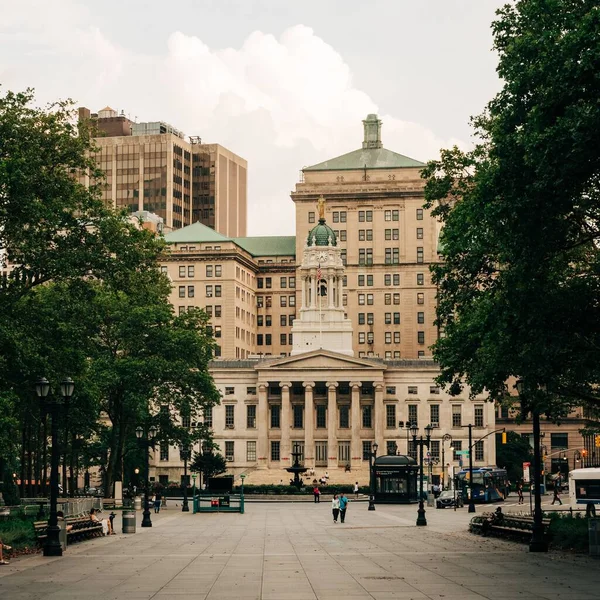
x=274, y=245
x=197, y=232
x=321, y=235
x=371, y=158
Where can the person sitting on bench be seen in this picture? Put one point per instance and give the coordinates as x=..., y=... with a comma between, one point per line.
x=4, y=547
x=61, y=517
x=106, y=524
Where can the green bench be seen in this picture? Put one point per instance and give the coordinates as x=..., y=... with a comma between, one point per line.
x=82, y=528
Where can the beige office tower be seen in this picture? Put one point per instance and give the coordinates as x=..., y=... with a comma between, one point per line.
x=152, y=167
x=374, y=203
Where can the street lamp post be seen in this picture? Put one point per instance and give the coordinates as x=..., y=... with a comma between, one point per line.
x=445, y=438
x=421, y=443
x=537, y=543
x=184, y=454
x=146, y=440
x=372, y=457
x=52, y=546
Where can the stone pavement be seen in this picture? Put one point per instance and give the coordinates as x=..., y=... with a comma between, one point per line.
x=295, y=552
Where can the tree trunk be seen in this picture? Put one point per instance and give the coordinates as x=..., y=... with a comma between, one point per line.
x=29, y=463
x=22, y=467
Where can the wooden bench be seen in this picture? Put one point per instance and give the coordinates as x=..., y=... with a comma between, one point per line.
x=510, y=525
x=82, y=528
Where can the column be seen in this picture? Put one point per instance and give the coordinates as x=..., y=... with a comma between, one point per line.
x=379, y=418
x=286, y=423
x=332, y=447
x=309, y=424
x=340, y=291
x=304, y=304
x=330, y=283
x=262, y=425
x=313, y=287
x=356, y=443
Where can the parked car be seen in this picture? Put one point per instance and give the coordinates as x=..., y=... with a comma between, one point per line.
x=447, y=499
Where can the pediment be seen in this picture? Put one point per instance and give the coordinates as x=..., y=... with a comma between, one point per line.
x=321, y=360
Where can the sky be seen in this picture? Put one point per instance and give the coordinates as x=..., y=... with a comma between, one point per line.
x=282, y=84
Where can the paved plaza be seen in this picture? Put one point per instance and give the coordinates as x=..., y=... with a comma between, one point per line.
x=293, y=551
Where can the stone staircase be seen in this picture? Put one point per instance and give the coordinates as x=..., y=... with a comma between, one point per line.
x=282, y=477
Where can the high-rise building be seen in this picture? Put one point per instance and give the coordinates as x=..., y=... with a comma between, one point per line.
x=152, y=167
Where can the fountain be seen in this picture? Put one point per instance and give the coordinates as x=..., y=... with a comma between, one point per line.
x=297, y=469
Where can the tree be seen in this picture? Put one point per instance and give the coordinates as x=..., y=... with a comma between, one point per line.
x=513, y=454
x=519, y=285
x=209, y=463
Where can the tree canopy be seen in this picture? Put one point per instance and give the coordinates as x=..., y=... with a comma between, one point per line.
x=519, y=285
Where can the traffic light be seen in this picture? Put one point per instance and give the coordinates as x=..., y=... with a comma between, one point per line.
x=584, y=453
x=597, y=440
x=504, y=438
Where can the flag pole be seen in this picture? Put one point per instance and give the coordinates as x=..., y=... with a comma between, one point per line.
x=319, y=274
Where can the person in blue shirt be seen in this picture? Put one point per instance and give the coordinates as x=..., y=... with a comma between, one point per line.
x=343, y=506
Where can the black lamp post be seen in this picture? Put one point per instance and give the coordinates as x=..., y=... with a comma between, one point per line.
x=538, y=542
x=372, y=457
x=445, y=438
x=146, y=441
x=52, y=546
x=421, y=443
x=184, y=455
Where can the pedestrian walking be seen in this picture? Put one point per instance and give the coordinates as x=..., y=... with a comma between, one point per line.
x=2, y=548
x=343, y=507
x=520, y=492
x=356, y=490
x=317, y=494
x=335, y=507
x=556, y=495
x=157, y=502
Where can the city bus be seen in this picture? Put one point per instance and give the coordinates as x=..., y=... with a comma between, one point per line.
x=490, y=484
x=584, y=487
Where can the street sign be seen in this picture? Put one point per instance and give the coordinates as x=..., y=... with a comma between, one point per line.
x=463, y=452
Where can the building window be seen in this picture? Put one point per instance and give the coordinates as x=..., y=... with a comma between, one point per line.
x=479, y=415
x=229, y=416
x=361, y=280
x=164, y=451
x=412, y=389
x=311, y=217
x=251, y=451
x=391, y=447
x=251, y=391
x=419, y=233
x=388, y=337
x=413, y=414
x=208, y=419
x=275, y=451
x=388, y=256
x=164, y=269
x=434, y=389
x=479, y=456
x=387, y=298
x=388, y=215
x=298, y=411
x=181, y=271
x=283, y=283
x=420, y=255
x=396, y=298
x=419, y=214
x=366, y=449
x=344, y=416
x=259, y=339
x=182, y=310
x=182, y=291
x=420, y=318
x=559, y=441
x=370, y=299
x=321, y=416
x=456, y=415
x=218, y=270
x=344, y=452
x=420, y=279
x=370, y=318
x=229, y=451
x=421, y=354
x=275, y=416
x=396, y=337
x=434, y=450
x=396, y=318
x=209, y=291
x=251, y=416
x=395, y=215
x=390, y=416
x=361, y=318
x=361, y=299
x=268, y=339
x=367, y=414
x=268, y=282
x=370, y=280
x=420, y=298
x=283, y=301
x=190, y=291
x=412, y=449
x=388, y=318
x=209, y=270
x=387, y=279
x=434, y=415
x=396, y=278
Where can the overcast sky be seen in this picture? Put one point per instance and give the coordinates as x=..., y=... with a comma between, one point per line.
x=283, y=84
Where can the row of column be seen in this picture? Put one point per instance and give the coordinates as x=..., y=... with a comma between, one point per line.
x=309, y=423
x=309, y=290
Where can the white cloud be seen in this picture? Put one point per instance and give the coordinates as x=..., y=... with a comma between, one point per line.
x=281, y=103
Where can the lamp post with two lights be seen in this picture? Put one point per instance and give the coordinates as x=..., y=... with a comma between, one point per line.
x=146, y=438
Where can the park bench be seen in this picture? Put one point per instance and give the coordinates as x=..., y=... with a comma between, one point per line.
x=504, y=525
x=83, y=528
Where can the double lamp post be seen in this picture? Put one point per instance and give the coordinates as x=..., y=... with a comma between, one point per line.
x=50, y=403
x=421, y=443
x=146, y=439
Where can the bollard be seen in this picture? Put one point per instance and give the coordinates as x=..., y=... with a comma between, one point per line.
x=128, y=521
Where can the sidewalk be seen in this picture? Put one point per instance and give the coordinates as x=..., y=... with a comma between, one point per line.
x=295, y=552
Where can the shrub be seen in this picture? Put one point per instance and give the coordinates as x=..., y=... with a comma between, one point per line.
x=569, y=532
x=18, y=532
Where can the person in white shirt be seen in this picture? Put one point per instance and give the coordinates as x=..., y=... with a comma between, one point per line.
x=335, y=507
x=356, y=490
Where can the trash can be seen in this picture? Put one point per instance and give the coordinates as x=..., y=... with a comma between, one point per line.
x=128, y=521
x=137, y=503
x=594, y=532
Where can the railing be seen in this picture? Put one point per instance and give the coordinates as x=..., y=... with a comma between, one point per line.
x=70, y=506
x=218, y=503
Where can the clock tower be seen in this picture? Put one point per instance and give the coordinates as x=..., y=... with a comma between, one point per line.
x=322, y=323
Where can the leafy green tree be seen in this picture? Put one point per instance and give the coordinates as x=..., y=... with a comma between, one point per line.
x=513, y=454
x=209, y=463
x=519, y=286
